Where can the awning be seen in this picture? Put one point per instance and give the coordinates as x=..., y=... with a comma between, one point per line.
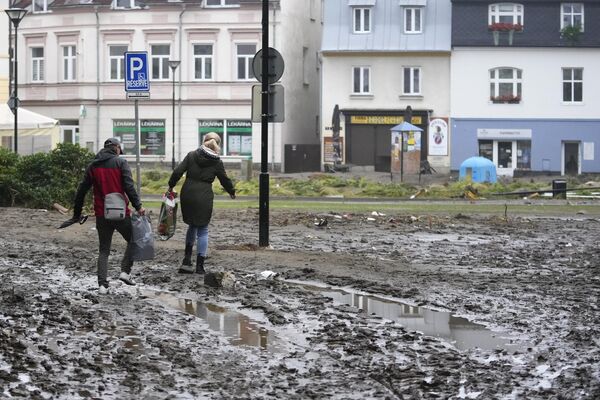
x=26, y=119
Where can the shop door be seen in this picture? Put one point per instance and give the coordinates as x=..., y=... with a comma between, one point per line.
x=383, y=148
x=361, y=143
x=505, y=158
x=570, y=158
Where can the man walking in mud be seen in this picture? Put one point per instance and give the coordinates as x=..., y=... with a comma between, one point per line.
x=113, y=186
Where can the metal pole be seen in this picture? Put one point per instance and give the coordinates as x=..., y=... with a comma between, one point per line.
x=16, y=93
x=173, y=105
x=263, y=231
x=137, y=148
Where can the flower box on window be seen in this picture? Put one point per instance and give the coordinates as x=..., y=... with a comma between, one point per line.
x=505, y=27
x=508, y=99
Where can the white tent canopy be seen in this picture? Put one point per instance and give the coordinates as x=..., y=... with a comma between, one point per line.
x=26, y=119
x=36, y=132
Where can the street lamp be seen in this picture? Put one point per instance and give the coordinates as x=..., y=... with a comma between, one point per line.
x=15, y=15
x=173, y=64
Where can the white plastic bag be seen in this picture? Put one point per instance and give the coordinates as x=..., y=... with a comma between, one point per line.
x=142, y=238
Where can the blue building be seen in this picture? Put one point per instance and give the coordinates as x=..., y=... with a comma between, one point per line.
x=525, y=85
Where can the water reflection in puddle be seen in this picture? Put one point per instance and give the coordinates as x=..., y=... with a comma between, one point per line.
x=460, y=332
x=238, y=328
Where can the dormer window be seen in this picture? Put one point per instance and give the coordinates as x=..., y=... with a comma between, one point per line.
x=362, y=20
x=413, y=20
x=40, y=6
x=362, y=11
x=505, y=13
x=571, y=14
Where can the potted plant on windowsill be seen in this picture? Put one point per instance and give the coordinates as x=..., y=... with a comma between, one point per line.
x=506, y=99
x=498, y=27
x=571, y=33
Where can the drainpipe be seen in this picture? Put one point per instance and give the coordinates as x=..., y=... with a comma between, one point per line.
x=97, y=78
x=180, y=69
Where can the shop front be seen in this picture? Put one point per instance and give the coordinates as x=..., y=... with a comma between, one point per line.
x=367, y=137
x=528, y=147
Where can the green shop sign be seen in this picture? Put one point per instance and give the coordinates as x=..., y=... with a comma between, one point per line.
x=152, y=136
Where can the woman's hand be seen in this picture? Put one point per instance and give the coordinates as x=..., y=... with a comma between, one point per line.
x=232, y=195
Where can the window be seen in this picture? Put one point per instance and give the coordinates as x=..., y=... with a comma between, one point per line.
x=506, y=13
x=361, y=80
x=362, y=20
x=222, y=3
x=37, y=64
x=572, y=85
x=505, y=85
x=486, y=149
x=69, y=63
x=160, y=61
x=413, y=20
x=524, y=154
x=571, y=14
x=116, y=54
x=412, y=81
x=245, y=53
x=39, y=6
x=124, y=4
x=305, y=63
x=203, y=61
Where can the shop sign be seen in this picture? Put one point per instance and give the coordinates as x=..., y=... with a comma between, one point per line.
x=382, y=120
x=503, y=134
x=152, y=136
x=329, y=153
x=438, y=137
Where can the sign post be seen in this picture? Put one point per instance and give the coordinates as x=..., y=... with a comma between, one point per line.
x=137, y=86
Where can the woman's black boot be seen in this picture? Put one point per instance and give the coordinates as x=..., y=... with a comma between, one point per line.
x=187, y=258
x=200, y=264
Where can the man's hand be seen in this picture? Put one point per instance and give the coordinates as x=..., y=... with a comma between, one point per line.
x=142, y=211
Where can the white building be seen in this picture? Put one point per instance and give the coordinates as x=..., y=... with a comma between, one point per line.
x=378, y=58
x=71, y=68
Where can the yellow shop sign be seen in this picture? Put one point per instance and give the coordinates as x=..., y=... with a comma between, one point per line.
x=382, y=120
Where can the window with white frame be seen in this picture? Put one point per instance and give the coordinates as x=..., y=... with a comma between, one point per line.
x=160, y=54
x=571, y=14
x=245, y=54
x=506, y=13
x=39, y=6
x=572, y=85
x=124, y=4
x=506, y=85
x=362, y=20
x=116, y=55
x=413, y=20
x=69, y=62
x=37, y=64
x=222, y=3
x=361, y=80
x=412, y=81
x=203, y=62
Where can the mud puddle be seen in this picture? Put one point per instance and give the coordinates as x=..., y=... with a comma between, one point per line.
x=458, y=331
x=239, y=329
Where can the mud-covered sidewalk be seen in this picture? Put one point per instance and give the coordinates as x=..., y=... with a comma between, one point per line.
x=364, y=306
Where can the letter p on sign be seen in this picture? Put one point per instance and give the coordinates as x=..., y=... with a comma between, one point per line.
x=135, y=64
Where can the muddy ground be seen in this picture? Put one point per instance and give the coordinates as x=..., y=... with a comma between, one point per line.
x=490, y=309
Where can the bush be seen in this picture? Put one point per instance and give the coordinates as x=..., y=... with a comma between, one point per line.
x=40, y=179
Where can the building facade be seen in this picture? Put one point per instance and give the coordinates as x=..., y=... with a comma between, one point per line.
x=4, y=59
x=71, y=68
x=380, y=57
x=525, y=89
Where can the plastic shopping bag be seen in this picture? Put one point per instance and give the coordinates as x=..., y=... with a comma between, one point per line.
x=167, y=219
x=142, y=238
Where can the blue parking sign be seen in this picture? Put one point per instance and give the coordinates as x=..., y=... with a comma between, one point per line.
x=136, y=71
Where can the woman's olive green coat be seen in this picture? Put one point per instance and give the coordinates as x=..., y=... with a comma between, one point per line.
x=201, y=166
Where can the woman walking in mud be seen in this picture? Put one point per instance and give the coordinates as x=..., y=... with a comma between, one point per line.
x=201, y=166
